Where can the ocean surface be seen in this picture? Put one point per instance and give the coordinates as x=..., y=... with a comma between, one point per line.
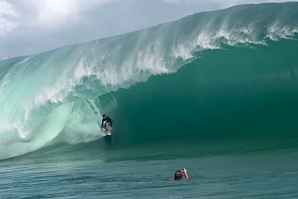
x=215, y=92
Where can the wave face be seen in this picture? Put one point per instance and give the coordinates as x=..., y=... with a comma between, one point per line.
x=222, y=74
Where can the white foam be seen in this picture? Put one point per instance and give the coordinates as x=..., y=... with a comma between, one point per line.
x=208, y=40
x=242, y=35
x=279, y=31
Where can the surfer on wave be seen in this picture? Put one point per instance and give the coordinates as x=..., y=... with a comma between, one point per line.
x=106, y=122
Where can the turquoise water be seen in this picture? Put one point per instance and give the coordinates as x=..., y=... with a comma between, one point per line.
x=87, y=173
x=215, y=92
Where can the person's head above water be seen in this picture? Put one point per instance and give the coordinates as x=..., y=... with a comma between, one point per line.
x=178, y=174
x=104, y=115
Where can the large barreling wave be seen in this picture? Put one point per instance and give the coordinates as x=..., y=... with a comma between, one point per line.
x=215, y=74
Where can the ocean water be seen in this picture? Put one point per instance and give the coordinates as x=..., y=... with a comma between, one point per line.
x=215, y=92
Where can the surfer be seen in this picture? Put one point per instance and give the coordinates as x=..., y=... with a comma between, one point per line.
x=178, y=174
x=108, y=122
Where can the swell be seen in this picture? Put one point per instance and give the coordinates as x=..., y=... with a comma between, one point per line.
x=59, y=96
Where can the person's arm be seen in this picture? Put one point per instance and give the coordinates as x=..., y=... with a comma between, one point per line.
x=185, y=173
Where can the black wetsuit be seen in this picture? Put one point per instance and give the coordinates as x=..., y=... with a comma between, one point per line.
x=108, y=119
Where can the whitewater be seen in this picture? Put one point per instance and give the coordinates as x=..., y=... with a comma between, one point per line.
x=59, y=96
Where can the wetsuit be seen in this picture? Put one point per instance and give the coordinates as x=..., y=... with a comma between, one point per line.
x=108, y=120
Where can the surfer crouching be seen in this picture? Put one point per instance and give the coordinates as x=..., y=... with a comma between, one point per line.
x=106, y=122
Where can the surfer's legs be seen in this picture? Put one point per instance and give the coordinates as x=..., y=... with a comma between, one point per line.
x=107, y=127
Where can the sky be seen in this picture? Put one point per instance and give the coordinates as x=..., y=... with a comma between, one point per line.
x=32, y=26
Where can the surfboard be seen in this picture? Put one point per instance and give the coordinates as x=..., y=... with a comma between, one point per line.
x=105, y=133
x=108, y=134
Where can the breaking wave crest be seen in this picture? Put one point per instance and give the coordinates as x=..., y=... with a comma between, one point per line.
x=59, y=96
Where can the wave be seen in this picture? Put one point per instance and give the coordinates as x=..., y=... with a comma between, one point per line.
x=212, y=74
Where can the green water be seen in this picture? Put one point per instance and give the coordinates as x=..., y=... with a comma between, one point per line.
x=98, y=170
x=243, y=94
